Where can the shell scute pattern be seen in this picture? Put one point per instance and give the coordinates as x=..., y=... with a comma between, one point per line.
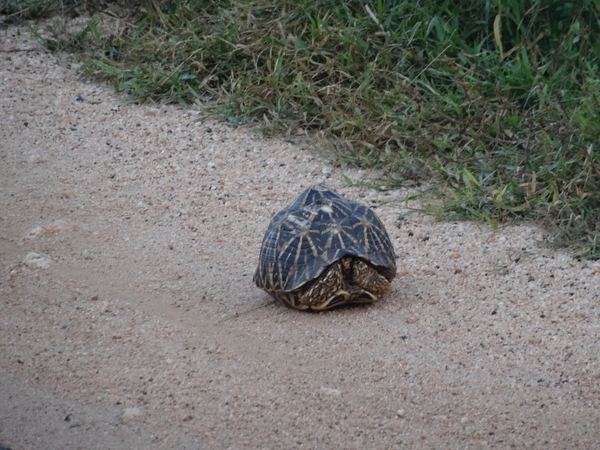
x=318, y=229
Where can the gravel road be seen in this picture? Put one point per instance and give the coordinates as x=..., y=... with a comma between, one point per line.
x=128, y=317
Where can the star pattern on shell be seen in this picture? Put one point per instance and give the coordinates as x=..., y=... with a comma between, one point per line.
x=324, y=251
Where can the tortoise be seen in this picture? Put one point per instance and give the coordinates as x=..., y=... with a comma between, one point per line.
x=324, y=251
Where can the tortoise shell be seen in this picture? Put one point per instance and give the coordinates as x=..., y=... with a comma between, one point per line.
x=322, y=235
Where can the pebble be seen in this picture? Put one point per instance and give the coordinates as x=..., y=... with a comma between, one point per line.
x=131, y=413
x=211, y=165
x=37, y=260
x=35, y=159
x=329, y=391
x=54, y=227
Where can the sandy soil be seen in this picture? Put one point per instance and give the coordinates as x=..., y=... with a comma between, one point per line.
x=128, y=317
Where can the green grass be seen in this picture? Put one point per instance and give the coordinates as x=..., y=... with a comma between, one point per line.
x=497, y=99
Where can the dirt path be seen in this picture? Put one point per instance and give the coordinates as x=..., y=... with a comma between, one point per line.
x=128, y=318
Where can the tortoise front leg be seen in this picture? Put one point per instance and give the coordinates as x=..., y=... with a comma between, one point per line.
x=372, y=284
x=328, y=291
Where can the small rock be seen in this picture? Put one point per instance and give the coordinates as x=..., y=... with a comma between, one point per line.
x=34, y=232
x=35, y=159
x=211, y=165
x=210, y=348
x=329, y=391
x=400, y=413
x=131, y=413
x=55, y=227
x=37, y=260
